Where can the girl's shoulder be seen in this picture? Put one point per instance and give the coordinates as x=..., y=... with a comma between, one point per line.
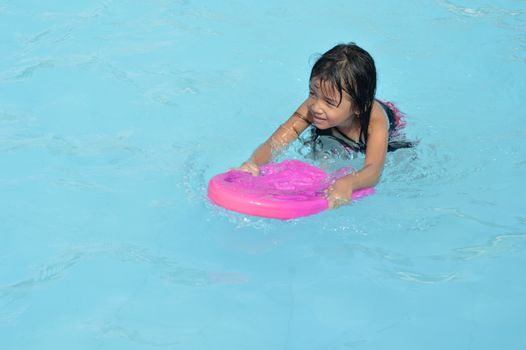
x=379, y=116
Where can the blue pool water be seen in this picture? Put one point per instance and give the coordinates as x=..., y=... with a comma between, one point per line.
x=114, y=115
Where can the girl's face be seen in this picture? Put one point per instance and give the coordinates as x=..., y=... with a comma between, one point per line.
x=325, y=107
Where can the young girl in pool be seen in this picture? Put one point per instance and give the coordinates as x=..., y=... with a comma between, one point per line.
x=341, y=105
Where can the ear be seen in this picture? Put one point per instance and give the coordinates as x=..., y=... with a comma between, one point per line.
x=355, y=112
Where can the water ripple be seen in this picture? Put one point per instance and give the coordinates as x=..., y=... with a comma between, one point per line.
x=498, y=246
x=425, y=279
x=29, y=70
x=37, y=37
x=165, y=267
x=80, y=17
x=460, y=214
x=481, y=10
x=417, y=277
x=14, y=297
x=111, y=330
x=193, y=181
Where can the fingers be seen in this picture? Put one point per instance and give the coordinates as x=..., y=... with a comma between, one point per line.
x=335, y=200
x=253, y=169
x=335, y=203
x=248, y=167
x=327, y=192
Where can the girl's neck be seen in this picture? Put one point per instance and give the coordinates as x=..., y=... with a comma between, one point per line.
x=350, y=129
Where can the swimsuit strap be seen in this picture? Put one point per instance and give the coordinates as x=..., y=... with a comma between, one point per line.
x=395, y=142
x=341, y=138
x=391, y=118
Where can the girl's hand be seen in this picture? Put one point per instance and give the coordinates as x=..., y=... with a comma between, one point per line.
x=249, y=167
x=339, y=193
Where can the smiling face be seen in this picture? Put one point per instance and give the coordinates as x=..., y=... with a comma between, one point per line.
x=328, y=107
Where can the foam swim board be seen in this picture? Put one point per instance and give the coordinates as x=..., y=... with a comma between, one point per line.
x=285, y=190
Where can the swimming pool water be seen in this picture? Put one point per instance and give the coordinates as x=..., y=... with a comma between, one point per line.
x=114, y=115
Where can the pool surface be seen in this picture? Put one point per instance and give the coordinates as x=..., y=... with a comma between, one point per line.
x=115, y=114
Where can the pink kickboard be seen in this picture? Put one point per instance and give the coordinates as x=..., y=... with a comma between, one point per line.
x=286, y=190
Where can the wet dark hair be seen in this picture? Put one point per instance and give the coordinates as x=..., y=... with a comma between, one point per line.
x=349, y=68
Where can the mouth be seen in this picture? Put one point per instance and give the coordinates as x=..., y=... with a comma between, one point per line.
x=318, y=120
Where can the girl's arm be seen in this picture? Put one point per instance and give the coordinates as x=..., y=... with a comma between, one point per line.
x=280, y=139
x=341, y=191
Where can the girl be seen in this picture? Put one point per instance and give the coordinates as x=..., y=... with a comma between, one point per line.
x=341, y=105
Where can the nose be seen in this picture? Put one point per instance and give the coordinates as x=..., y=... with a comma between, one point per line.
x=315, y=106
